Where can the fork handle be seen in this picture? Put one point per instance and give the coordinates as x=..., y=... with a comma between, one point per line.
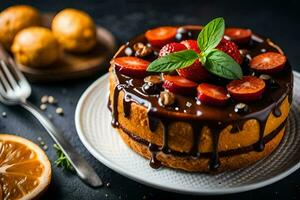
x=83, y=169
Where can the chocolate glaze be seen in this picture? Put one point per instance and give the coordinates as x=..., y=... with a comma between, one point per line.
x=154, y=148
x=199, y=115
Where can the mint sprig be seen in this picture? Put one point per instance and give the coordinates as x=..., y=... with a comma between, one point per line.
x=221, y=64
x=214, y=60
x=211, y=35
x=173, y=61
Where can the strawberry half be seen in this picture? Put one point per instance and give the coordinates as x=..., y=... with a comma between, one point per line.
x=231, y=49
x=249, y=88
x=196, y=72
x=239, y=35
x=160, y=36
x=191, y=44
x=131, y=66
x=269, y=62
x=212, y=94
x=179, y=85
x=171, y=48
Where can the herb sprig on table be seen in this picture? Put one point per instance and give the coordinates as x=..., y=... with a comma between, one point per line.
x=214, y=60
x=62, y=160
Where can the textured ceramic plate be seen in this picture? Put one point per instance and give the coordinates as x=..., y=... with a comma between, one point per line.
x=95, y=131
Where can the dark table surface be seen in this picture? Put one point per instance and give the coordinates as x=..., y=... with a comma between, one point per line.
x=276, y=19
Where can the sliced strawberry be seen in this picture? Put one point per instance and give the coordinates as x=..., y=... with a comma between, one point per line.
x=196, y=72
x=131, y=66
x=212, y=94
x=231, y=49
x=160, y=36
x=269, y=62
x=249, y=88
x=171, y=48
x=179, y=85
x=191, y=44
x=239, y=35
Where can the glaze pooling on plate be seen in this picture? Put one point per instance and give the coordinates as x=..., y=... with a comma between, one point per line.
x=199, y=115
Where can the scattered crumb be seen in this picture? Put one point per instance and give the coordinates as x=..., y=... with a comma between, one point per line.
x=39, y=139
x=4, y=114
x=44, y=99
x=45, y=147
x=108, y=184
x=59, y=111
x=42, y=143
x=51, y=100
x=43, y=106
x=106, y=195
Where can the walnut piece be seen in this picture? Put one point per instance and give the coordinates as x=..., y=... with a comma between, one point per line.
x=166, y=98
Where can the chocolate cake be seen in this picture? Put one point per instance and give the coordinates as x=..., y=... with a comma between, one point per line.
x=192, y=118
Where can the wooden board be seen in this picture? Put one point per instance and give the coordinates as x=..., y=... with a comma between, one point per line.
x=73, y=66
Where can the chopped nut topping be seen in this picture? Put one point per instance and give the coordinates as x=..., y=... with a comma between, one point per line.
x=141, y=50
x=166, y=98
x=153, y=79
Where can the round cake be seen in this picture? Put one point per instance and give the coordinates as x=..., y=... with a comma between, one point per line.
x=200, y=114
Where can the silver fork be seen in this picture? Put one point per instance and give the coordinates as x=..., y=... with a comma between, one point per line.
x=14, y=90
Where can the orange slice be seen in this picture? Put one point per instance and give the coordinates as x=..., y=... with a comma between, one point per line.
x=25, y=171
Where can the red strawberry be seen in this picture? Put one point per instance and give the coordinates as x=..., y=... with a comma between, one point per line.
x=239, y=35
x=195, y=72
x=131, y=66
x=269, y=62
x=171, y=48
x=249, y=88
x=231, y=49
x=160, y=36
x=179, y=85
x=212, y=94
x=191, y=44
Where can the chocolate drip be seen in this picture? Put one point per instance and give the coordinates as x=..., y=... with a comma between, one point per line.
x=197, y=132
x=153, y=122
x=231, y=152
x=214, y=160
x=117, y=90
x=126, y=105
x=237, y=126
x=277, y=111
x=199, y=115
x=154, y=163
x=165, y=146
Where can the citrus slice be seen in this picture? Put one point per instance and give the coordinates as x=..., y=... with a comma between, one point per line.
x=25, y=171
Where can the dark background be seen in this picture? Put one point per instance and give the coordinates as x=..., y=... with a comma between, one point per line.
x=278, y=20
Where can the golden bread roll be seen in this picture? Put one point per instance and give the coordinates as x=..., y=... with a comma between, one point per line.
x=35, y=47
x=75, y=30
x=14, y=19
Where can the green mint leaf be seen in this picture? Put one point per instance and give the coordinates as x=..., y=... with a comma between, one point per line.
x=173, y=61
x=221, y=64
x=211, y=35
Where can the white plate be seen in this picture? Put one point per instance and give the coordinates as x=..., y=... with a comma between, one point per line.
x=93, y=124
